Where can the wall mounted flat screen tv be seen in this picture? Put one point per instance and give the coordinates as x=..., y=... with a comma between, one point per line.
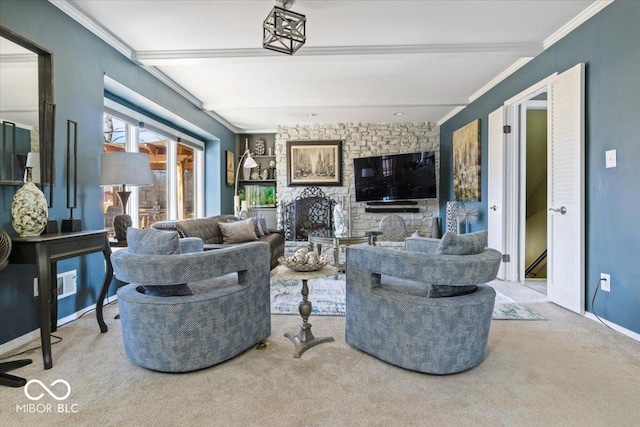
x=395, y=177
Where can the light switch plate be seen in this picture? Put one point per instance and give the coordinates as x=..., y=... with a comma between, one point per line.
x=610, y=156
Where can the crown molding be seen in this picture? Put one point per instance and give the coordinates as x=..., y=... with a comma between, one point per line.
x=486, y=88
x=451, y=114
x=155, y=57
x=499, y=78
x=586, y=14
x=91, y=25
x=188, y=96
x=583, y=16
x=109, y=38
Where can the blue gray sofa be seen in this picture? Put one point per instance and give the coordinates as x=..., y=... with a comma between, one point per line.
x=208, y=229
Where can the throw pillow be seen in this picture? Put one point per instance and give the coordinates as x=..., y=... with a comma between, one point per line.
x=152, y=242
x=257, y=227
x=462, y=244
x=238, y=232
x=263, y=225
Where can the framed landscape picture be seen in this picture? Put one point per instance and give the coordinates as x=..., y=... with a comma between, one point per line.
x=231, y=168
x=466, y=162
x=314, y=163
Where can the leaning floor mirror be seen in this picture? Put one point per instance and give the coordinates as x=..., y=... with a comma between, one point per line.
x=27, y=111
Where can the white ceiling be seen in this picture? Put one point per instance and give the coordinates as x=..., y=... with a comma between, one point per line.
x=363, y=60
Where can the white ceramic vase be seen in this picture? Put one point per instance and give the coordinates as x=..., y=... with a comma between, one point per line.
x=29, y=211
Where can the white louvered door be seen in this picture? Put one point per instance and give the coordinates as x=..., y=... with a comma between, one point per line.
x=565, y=269
x=496, y=206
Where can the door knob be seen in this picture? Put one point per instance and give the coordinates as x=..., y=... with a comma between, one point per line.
x=562, y=210
x=493, y=208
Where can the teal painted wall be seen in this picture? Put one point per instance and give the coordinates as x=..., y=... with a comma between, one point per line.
x=609, y=45
x=80, y=62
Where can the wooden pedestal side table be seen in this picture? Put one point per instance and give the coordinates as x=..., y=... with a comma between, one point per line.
x=304, y=340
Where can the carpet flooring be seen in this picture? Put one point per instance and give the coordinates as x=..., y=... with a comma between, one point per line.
x=328, y=299
x=567, y=371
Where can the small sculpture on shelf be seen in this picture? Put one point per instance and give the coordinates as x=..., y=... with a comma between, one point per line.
x=259, y=148
x=340, y=221
x=272, y=169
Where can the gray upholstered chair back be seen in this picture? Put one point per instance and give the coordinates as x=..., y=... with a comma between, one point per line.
x=226, y=311
x=391, y=315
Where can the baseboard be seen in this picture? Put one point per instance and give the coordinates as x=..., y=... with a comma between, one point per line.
x=19, y=342
x=80, y=313
x=618, y=328
x=35, y=334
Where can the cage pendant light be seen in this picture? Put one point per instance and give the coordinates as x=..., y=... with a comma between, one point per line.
x=283, y=30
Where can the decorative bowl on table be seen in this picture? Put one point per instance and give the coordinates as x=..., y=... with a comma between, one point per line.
x=304, y=260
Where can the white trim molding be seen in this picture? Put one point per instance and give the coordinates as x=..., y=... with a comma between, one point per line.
x=614, y=326
x=19, y=342
x=586, y=14
x=91, y=25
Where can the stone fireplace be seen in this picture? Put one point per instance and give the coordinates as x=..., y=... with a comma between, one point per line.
x=362, y=140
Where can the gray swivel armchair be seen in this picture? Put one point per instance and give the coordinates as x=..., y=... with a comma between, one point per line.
x=419, y=309
x=185, y=309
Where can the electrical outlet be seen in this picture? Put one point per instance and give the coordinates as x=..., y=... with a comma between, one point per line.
x=605, y=282
x=67, y=283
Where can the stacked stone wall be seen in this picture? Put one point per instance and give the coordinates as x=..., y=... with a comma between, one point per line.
x=364, y=140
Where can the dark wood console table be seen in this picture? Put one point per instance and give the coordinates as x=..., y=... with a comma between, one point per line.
x=45, y=251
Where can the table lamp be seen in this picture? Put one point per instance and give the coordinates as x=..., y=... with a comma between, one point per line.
x=123, y=168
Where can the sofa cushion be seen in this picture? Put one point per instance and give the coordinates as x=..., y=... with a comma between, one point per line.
x=239, y=231
x=152, y=242
x=462, y=244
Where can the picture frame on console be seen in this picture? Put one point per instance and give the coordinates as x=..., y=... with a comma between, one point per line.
x=314, y=163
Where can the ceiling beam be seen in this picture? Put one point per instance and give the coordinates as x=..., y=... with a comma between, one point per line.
x=159, y=57
x=309, y=107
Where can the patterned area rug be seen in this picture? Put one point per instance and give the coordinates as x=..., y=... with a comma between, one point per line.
x=328, y=299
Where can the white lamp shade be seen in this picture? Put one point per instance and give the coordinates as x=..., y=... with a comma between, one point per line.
x=249, y=162
x=33, y=162
x=125, y=168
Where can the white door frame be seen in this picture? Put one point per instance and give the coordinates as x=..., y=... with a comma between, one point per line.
x=515, y=177
x=525, y=105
